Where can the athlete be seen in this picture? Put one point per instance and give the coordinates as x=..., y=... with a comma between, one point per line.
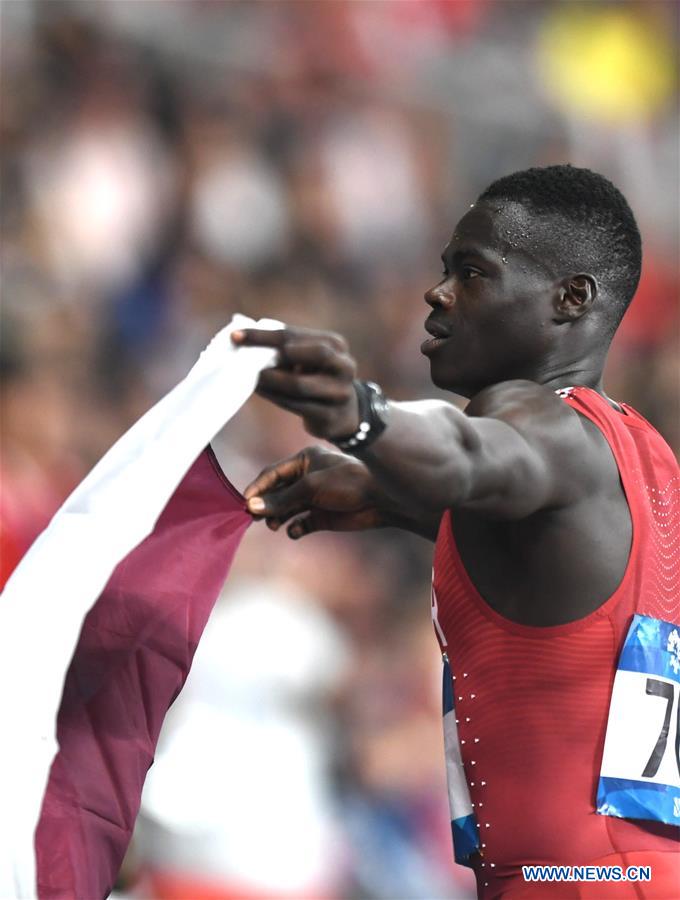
x=556, y=516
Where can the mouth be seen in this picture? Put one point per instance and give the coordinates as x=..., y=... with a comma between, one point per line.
x=440, y=335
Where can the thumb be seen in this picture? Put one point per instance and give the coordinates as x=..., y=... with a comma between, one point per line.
x=281, y=473
x=282, y=503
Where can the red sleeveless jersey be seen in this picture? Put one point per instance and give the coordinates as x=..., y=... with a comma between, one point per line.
x=532, y=702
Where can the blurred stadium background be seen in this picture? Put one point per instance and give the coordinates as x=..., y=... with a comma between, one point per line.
x=166, y=164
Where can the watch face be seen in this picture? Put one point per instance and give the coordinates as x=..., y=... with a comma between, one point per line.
x=379, y=404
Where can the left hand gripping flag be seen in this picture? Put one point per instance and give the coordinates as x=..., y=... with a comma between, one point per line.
x=100, y=622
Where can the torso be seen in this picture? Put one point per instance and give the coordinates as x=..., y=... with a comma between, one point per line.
x=575, y=555
x=532, y=702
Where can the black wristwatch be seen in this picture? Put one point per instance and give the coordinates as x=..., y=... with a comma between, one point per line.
x=373, y=412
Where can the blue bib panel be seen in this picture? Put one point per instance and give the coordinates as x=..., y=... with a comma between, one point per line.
x=640, y=774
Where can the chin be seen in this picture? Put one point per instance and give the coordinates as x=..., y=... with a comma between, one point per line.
x=453, y=382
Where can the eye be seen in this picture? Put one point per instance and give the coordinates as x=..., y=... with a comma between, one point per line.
x=470, y=272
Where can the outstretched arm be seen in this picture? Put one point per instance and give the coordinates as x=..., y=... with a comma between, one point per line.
x=515, y=450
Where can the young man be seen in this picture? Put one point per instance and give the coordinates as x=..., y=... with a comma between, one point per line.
x=556, y=515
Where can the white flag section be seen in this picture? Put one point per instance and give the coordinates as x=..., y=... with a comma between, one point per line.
x=48, y=596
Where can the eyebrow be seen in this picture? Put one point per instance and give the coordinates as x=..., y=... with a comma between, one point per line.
x=460, y=252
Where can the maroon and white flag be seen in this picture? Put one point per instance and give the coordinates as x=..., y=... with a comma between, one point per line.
x=101, y=620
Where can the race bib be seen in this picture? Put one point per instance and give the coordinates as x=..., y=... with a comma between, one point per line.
x=640, y=775
x=464, y=827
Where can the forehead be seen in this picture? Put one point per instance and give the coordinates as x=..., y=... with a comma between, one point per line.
x=492, y=225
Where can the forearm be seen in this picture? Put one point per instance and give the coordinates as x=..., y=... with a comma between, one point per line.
x=423, y=459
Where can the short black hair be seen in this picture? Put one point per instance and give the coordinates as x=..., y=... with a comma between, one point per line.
x=596, y=233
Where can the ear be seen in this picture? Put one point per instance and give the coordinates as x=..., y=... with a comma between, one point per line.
x=575, y=296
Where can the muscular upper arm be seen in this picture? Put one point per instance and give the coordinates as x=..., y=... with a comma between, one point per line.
x=528, y=450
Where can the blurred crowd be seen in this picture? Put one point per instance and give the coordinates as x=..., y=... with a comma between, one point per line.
x=166, y=164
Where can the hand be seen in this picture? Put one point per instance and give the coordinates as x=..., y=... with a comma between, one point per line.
x=313, y=377
x=323, y=489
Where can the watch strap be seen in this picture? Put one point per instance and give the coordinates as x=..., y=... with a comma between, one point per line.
x=373, y=411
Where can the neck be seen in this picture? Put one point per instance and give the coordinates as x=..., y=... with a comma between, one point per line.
x=576, y=376
x=572, y=377
x=563, y=370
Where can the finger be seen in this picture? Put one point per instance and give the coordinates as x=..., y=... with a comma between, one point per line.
x=260, y=337
x=319, y=354
x=280, y=473
x=328, y=389
x=303, y=525
x=316, y=336
x=320, y=520
x=263, y=337
x=272, y=523
x=316, y=413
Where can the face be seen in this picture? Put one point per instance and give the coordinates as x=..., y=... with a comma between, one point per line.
x=491, y=311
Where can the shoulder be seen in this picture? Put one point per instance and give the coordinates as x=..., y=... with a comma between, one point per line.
x=529, y=406
x=569, y=442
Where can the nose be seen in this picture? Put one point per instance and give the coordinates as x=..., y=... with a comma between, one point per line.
x=440, y=296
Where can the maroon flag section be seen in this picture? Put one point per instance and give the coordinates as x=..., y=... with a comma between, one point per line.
x=132, y=659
